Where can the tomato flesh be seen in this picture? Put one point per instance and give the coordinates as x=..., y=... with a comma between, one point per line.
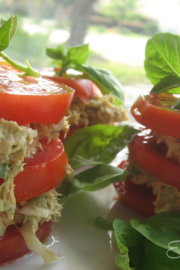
x=151, y=157
x=137, y=197
x=32, y=100
x=84, y=88
x=41, y=173
x=155, y=112
x=13, y=246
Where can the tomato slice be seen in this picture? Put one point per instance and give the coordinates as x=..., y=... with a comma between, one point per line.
x=13, y=246
x=155, y=112
x=41, y=173
x=84, y=88
x=137, y=197
x=151, y=157
x=31, y=100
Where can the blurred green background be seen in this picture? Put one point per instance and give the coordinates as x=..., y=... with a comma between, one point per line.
x=116, y=30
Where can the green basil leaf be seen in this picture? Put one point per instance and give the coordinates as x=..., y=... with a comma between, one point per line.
x=98, y=143
x=106, y=81
x=2, y=21
x=154, y=257
x=162, y=56
x=77, y=162
x=103, y=223
x=95, y=178
x=4, y=169
x=14, y=26
x=78, y=55
x=161, y=229
x=58, y=53
x=127, y=239
x=5, y=30
x=169, y=84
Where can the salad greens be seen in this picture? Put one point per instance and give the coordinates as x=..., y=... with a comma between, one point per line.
x=149, y=244
x=95, y=178
x=162, y=64
x=97, y=144
x=7, y=31
x=75, y=58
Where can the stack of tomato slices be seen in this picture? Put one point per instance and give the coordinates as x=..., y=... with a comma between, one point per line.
x=47, y=168
x=155, y=112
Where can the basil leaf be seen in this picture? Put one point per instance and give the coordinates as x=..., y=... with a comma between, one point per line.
x=106, y=81
x=97, y=143
x=127, y=240
x=5, y=30
x=103, y=223
x=58, y=53
x=169, y=84
x=162, y=56
x=161, y=229
x=77, y=162
x=95, y=178
x=78, y=55
x=14, y=25
x=4, y=169
x=154, y=257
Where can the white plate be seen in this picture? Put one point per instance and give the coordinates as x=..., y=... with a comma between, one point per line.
x=78, y=242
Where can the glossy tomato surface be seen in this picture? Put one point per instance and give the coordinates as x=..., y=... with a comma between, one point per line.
x=85, y=89
x=150, y=156
x=13, y=246
x=137, y=197
x=32, y=100
x=156, y=112
x=41, y=173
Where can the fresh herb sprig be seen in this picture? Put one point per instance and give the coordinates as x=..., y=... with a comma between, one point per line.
x=75, y=58
x=96, y=146
x=149, y=244
x=162, y=65
x=7, y=31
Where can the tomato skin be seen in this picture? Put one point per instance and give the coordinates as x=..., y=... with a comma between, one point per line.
x=148, y=112
x=13, y=246
x=137, y=197
x=146, y=154
x=85, y=89
x=41, y=173
x=31, y=100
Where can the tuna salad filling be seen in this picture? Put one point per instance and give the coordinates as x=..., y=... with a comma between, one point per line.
x=99, y=110
x=167, y=196
x=17, y=143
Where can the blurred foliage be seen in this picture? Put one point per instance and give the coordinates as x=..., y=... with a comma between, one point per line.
x=56, y=14
x=124, y=73
x=30, y=46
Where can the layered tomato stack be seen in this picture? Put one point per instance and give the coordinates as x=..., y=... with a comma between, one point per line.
x=89, y=105
x=153, y=184
x=32, y=161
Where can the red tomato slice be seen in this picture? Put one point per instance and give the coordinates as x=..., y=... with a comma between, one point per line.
x=41, y=173
x=13, y=246
x=151, y=157
x=137, y=197
x=31, y=100
x=85, y=89
x=155, y=112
